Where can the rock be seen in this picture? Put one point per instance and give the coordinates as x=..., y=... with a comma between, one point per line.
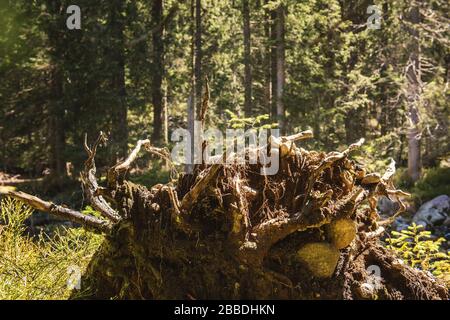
x=320, y=258
x=342, y=232
x=401, y=223
x=387, y=207
x=434, y=212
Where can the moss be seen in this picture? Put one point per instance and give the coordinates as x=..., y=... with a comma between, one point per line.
x=342, y=232
x=320, y=258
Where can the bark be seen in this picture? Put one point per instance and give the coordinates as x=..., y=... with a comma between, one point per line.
x=247, y=59
x=158, y=70
x=268, y=63
x=166, y=117
x=386, y=113
x=198, y=54
x=57, y=127
x=195, y=97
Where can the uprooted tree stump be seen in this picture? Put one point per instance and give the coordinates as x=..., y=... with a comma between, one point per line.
x=310, y=231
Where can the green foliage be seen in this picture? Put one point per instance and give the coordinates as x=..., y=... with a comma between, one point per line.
x=415, y=246
x=343, y=80
x=91, y=212
x=154, y=175
x=40, y=268
x=258, y=122
x=434, y=182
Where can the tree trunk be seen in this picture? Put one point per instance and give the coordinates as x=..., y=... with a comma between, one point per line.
x=119, y=124
x=195, y=97
x=57, y=131
x=158, y=70
x=56, y=104
x=166, y=117
x=198, y=55
x=247, y=59
x=281, y=77
x=268, y=63
x=273, y=63
x=414, y=90
x=385, y=123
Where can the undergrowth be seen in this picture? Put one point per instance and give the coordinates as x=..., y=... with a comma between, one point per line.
x=416, y=248
x=42, y=267
x=433, y=182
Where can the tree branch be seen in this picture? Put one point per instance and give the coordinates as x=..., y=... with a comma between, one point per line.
x=66, y=213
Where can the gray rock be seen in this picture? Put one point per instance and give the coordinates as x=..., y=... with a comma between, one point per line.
x=434, y=212
x=386, y=207
x=401, y=223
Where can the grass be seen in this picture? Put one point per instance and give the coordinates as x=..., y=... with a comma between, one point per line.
x=44, y=267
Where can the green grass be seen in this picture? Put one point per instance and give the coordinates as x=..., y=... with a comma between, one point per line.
x=43, y=267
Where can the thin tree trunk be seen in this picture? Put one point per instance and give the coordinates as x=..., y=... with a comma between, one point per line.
x=119, y=130
x=413, y=78
x=281, y=77
x=158, y=70
x=268, y=63
x=196, y=92
x=247, y=59
x=385, y=124
x=57, y=132
x=273, y=63
x=198, y=53
x=56, y=109
x=166, y=117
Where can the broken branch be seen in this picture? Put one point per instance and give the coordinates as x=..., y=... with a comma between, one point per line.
x=62, y=212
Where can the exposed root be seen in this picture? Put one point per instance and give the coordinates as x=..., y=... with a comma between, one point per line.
x=226, y=232
x=95, y=195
